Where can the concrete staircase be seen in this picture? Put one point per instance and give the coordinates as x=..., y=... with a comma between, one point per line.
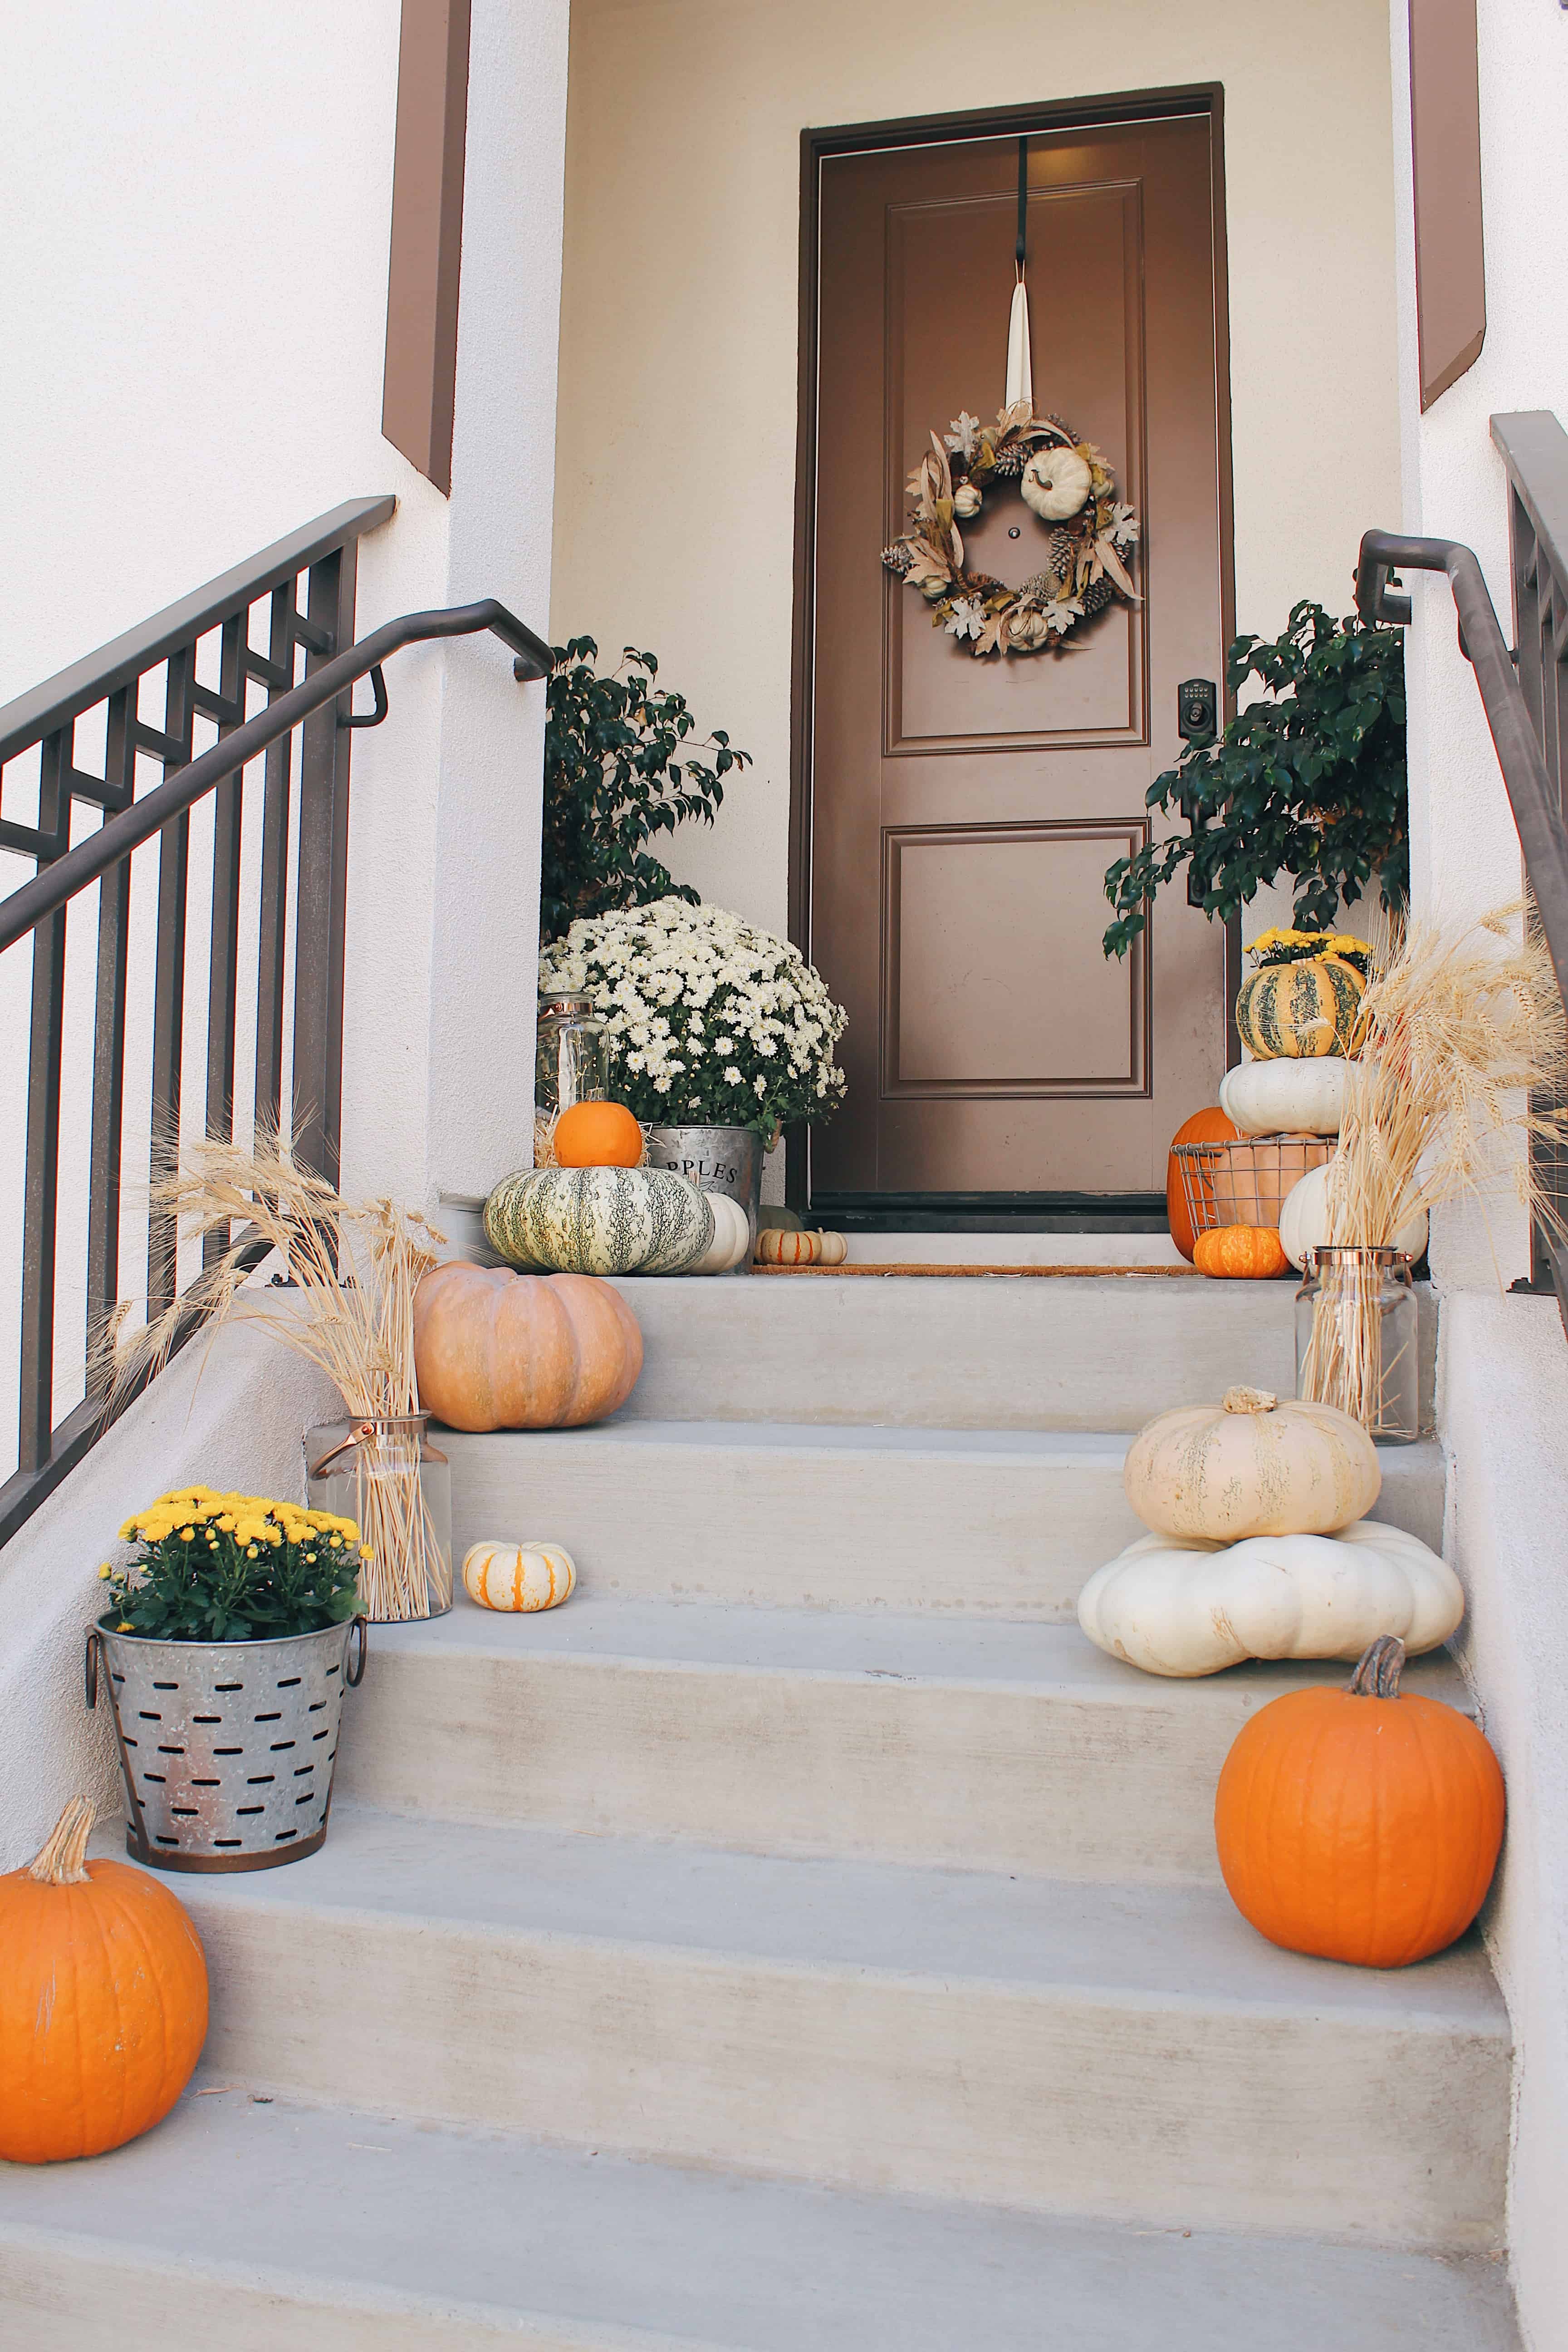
x=805, y=1940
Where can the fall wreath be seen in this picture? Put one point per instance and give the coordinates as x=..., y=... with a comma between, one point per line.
x=1062, y=479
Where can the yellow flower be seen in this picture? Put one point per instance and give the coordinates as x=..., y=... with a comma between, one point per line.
x=105, y=1570
x=310, y=1558
x=226, y=1523
x=365, y=1552
x=336, y=1542
x=250, y=1551
x=187, y=1535
x=125, y=1627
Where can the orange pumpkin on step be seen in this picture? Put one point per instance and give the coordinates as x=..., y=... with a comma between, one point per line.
x=1360, y=1824
x=1208, y=1126
x=597, y=1135
x=1241, y=1253
x=495, y=1350
x=103, y=2000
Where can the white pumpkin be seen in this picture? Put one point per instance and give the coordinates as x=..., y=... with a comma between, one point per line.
x=1253, y=1465
x=1056, y=482
x=1293, y=1096
x=1185, y=1609
x=526, y=1576
x=731, y=1236
x=1304, y=1219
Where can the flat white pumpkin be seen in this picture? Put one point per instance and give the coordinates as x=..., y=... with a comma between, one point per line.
x=1252, y=1465
x=1293, y=1096
x=1188, y=1608
x=1056, y=482
x=1304, y=1219
x=526, y=1576
x=731, y=1239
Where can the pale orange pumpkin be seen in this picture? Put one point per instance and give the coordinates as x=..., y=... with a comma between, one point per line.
x=103, y=2000
x=597, y=1135
x=1359, y=1823
x=495, y=1350
x=1241, y=1253
x=1207, y=1126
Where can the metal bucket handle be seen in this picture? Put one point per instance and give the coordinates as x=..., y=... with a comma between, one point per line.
x=354, y=1669
x=89, y=1669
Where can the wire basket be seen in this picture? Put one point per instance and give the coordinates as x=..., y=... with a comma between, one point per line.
x=1245, y=1183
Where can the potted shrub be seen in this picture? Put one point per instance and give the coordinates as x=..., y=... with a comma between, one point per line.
x=718, y=1034
x=225, y=1646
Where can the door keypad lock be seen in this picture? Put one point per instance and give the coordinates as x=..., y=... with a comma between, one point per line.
x=1197, y=709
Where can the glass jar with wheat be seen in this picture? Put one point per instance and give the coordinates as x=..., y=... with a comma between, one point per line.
x=352, y=1269
x=1459, y=1066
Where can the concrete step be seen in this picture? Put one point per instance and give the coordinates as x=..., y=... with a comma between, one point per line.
x=1003, y=1351
x=1137, y=2054
x=917, y=1738
x=256, y=2226
x=1001, y=1522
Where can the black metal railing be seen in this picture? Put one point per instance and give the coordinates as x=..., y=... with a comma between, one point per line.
x=275, y=913
x=1521, y=693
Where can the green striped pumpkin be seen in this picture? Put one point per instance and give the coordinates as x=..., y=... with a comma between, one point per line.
x=598, y=1221
x=1300, y=1012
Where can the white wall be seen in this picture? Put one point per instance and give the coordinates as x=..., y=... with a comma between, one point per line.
x=1503, y=1378
x=193, y=278
x=675, y=479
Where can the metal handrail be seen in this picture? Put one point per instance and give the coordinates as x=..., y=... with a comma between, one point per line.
x=1534, y=448
x=26, y=908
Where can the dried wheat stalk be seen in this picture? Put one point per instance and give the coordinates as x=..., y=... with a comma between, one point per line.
x=357, y=1265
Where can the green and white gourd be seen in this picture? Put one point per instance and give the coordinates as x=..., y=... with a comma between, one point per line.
x=603, y=1221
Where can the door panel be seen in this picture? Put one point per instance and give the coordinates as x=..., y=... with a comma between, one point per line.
x=963, y=812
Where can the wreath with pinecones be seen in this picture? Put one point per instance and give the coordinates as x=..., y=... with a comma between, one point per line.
x=1062, y=479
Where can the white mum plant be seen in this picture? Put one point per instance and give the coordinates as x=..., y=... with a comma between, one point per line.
x=710, y=1023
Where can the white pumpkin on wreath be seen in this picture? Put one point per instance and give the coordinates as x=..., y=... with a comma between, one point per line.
x=1063, y=480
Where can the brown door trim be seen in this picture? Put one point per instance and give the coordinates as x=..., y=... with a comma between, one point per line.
x=1445, y=166
x=1206, y=98
x=419, y=387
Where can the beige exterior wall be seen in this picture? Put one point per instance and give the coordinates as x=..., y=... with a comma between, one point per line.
x=675, y=476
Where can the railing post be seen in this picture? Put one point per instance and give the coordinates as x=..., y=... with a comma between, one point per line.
x=322, y=889
x=41, y=1182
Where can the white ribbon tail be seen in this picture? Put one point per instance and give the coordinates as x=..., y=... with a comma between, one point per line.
x=1020, y=375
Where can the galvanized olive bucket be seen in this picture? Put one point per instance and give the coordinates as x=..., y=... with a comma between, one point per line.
x=716, y=1159
x=227, y=1747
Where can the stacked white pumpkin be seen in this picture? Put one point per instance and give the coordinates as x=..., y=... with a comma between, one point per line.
x=614, y=1220
x=1259, y=1544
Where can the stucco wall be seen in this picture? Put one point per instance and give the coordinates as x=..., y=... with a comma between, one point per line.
x=1503, y=1392
x=674, y=474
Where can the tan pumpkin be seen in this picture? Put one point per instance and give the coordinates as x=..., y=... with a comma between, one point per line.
x=526, y=1576
x=495, y=1350
x=1253, y=1465
x=777, y=1246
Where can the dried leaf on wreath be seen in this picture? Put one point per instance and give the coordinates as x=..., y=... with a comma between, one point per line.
x=1020, y=412
x=954, y=535
x=944, y=472
x=989, y=641
x=1111, y=563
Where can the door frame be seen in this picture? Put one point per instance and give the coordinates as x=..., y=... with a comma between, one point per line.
x=1203, y=100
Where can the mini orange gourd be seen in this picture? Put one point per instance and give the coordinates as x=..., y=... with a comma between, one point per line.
x=1241, y=1253
x=103, y=2000
x=1360, y=1823
x=597, y=1135
x=1207, y=1126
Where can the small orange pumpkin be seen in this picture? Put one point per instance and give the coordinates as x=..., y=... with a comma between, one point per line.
x=1207, y=1126
x=103, y=2000
x=1360, y=1824
x=1244, y=1253
x=597, y=1135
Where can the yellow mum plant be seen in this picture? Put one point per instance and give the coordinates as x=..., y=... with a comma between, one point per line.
x=232, y=1568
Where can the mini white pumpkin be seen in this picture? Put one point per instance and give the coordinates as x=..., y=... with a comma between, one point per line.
x=1252, y=1465
x=1293, y=1096
x=1304, y=1217
x=1186, y=1609
x=1056, y=482
x=526, y=1576
x=731, y=1236
x=966, y=500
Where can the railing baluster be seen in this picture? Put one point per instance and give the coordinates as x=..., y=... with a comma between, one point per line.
x=108, y=1046
x=274, y=912
x=169, y=999
x=223, y=971
x=320, y=890
x=41, y=1182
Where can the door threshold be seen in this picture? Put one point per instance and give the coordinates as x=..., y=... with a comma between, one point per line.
x=1011, y=1247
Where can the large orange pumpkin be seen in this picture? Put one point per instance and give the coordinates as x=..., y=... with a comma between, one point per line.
x=495, y=1350
x=1208, y=1126
x=1247, y=1252
x=597, y=1135
x=1360, y=1824
x=103, y=2000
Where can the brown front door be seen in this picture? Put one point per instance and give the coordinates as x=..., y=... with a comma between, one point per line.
x=963, y=812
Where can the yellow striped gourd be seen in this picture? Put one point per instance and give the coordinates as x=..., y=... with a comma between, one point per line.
x=1299, y=1011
